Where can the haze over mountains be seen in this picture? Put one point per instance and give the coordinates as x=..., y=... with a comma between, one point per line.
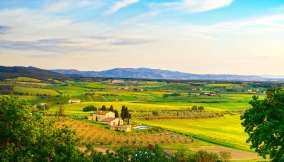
x=148, y=73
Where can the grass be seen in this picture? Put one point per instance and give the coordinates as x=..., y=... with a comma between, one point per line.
x=27, y=79
x=34, y=91
x=223, y=85
x=226, y=131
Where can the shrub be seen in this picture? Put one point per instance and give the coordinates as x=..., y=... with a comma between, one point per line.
x=194, y=108
x=204, y=156
x=155, y=113
x=89, y=108
x=225, y=156
x=200, y=108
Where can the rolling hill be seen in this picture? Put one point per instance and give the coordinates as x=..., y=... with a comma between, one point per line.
x=20, y=71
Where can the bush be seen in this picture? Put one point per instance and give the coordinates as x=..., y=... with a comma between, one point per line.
x=200, y=108
x=225, y=156
x=204, y=156
x=89, y=108
x=155, y=113
x=194, y=108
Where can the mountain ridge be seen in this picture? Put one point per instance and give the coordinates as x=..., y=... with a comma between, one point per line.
x=22, y=71
x=149, y=73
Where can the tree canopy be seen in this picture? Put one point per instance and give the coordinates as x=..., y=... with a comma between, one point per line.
x=27, y=136
x=264, y=123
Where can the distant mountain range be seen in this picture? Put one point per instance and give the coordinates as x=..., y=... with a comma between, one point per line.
x=147, y=73
x=127, y=73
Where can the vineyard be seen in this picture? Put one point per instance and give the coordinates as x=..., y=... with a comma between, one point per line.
x=102, y=136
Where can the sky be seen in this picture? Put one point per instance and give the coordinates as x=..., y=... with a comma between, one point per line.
x=196, y=36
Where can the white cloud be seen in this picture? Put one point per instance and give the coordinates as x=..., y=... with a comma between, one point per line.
x=204, y=5
x=121, y=4
x=66, y=5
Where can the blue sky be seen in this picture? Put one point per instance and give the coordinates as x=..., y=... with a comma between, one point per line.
x=198, y=36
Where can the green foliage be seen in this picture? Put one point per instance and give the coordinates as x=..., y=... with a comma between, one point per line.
x=200, y=108
x=61, y=111
x=194, y=108
x=89, y=108
x=155, y=113
x=34, y=91
x=153, y=154
x=204, y=156
x=111, y=108
x=29, y=137
x=103, y=108
x=125, y=115
x=225, y=156
x=116, y=113
x=264, y=124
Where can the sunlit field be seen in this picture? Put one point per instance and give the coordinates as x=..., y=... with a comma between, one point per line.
x=226, y=131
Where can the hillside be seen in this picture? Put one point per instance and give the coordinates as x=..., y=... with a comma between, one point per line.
x=19, y=71
x=147, y=73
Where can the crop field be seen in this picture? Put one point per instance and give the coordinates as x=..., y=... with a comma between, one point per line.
x=99, y=135
x=226, y=131
x=104, y=139
x=35, y=91
x=227, y=102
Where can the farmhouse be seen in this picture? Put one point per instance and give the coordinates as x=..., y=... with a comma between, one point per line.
x=208, y=93
x=115, y=122
x=102, y=116
x=71, y=101
x=117, y=82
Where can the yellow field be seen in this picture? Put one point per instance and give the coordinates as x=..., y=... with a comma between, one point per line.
x=226, y=131
x=76, y=109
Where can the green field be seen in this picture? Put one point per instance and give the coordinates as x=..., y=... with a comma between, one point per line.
x=226, y=131
x=35, y=91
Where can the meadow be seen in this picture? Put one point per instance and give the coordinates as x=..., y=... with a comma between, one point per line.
x=226, y=131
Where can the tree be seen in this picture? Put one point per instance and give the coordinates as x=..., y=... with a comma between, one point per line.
x=264, y=124
x=116, y=113
x=123, y=112
x=125, y=115
x=111, y=108
x=61, y=111
x=103, y=108
x=128, y=118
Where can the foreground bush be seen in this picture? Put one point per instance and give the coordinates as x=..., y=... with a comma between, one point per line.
x=29, y=137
